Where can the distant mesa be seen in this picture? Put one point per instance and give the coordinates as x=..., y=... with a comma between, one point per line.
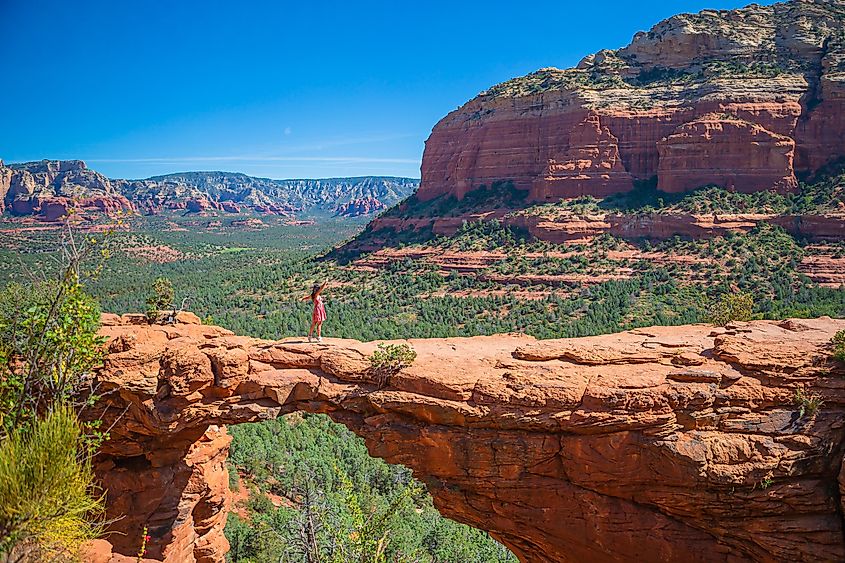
x=742, y=99
x=53, y=190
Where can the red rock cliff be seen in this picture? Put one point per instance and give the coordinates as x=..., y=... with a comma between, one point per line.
x=741, y=99
x=657, y=444
x=51, y=188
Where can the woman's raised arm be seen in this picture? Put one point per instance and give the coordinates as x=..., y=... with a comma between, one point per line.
x=322, y=287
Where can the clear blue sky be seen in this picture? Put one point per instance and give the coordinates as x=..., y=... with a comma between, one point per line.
x=276, y=89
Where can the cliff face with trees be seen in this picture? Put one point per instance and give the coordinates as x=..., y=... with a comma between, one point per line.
x=688, y=443
x=742, y=99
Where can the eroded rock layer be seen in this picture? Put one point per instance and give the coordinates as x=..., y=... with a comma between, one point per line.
x=53, y=188
x=741, y=99
x=659, y=444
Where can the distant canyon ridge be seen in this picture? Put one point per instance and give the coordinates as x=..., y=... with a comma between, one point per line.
x=50, y=189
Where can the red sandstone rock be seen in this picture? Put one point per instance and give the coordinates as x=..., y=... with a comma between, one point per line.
x=589, y=166
x=725, y=152
x=271, y=209
x=57, y=208
x=200, y=205
x=571, y=228
x=5, y=185
x=646, y=445
x=360, y=206
x=230, y=207
x=52, y=187
x=54, y=209
x=622, y=116
x=101, y=551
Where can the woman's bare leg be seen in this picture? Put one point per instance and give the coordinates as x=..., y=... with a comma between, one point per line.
x=311, y=330
x=319, y=330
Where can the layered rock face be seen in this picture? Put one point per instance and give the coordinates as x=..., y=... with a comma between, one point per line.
x=360, y=206
x=578, y=229
x=657, y=444
x=741, y=99
x=590, y=165
x=52, y=188
x=736, y=155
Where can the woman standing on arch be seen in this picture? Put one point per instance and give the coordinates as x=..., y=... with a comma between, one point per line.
x=318, y=315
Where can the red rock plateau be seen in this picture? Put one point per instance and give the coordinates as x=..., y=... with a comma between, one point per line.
x=658, y=444
x=741, y=99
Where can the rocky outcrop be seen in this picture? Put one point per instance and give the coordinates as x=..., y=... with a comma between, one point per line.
x=590, y=165
x=741, y=99
x=360, y=206
x=53, y=189
x=723, y=151
x=572, y=228
x=230, y=207
x=251, y=224
x=657, y=444
x=201, y=204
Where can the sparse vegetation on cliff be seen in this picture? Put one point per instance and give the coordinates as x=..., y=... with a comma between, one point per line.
x=549, y=79
x=807, y=403
x=732, y=307
x=390, y=359
x=822, y=193
x=501, y=194
x=161, y=296
x=838, y=343
x=662, y=76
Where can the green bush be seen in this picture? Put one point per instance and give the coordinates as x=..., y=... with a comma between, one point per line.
x=48, y=343
x=389, y=360
x=161, y=297
x=838, y=342
x=732, y=307
x=807, y=404
x=46, y=497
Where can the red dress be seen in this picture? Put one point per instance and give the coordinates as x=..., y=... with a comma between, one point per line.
x=319, y=314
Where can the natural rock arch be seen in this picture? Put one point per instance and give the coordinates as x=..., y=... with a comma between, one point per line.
x=664, y=443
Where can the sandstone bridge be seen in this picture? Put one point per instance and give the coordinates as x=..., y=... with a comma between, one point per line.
x=657, y=444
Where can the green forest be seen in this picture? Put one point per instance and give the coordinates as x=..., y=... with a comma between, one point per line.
x=337, y=504
x=252, y=283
